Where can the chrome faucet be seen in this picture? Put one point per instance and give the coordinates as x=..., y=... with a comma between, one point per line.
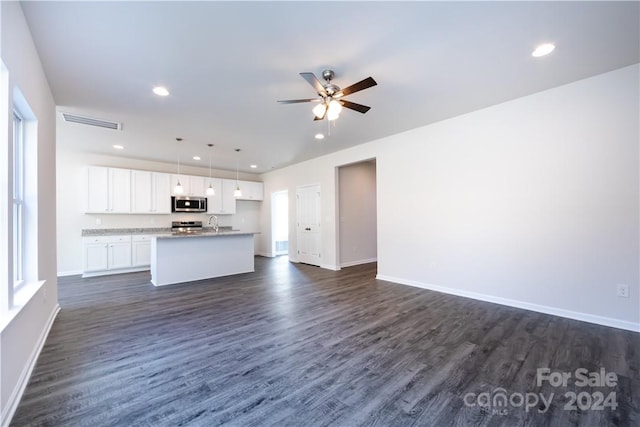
x=215, y=226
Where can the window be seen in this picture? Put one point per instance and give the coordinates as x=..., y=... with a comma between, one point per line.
x=18, y=200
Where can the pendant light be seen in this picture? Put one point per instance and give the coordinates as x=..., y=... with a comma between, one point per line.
x=178, y=189
x=210, y=190
x=237, y=193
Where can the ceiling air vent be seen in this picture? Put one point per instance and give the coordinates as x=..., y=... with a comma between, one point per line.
x=73, y=118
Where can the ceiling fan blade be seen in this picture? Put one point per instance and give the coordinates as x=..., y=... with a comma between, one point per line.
x=297, y=101
x=356, y=87
x=313, y=81
x=353, y=106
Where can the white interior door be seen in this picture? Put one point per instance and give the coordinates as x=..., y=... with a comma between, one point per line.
x=308, y=224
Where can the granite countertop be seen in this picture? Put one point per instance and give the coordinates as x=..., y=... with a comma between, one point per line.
x=156, y=231
x=205, y=233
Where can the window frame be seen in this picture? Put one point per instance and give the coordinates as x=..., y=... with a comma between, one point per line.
x=18, y=200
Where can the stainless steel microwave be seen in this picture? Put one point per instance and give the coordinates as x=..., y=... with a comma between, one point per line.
x=188, y=204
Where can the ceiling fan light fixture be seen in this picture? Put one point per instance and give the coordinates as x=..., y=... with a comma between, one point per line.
x=319, y=110
x=335, y=106
x=333, y=110
x=328, y=93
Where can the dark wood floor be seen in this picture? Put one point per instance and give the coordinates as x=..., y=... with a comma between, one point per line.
x=302, y=346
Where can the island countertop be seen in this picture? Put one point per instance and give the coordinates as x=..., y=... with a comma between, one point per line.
x=206, y=233
x=157, y=231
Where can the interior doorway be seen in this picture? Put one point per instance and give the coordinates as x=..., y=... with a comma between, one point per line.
x=308, y=224
x=357, y=211
x=280, y=223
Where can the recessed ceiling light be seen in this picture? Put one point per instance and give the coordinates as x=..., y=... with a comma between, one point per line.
x=543, y=49
x=319, y=136
x=253, y=166
x=196, y=157
x=118, y=147
x=160, y=91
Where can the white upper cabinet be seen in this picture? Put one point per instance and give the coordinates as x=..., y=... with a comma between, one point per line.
x=194, y=186
x=151, y=192
x=97, y=189
x=141, y=192
x=120, y=190
x=223, y=203
x=228, y=201
x=161, y=190
x=197, y=186
x=251, y=190
x=114, y=190
x=214, y=203
x=108, y=190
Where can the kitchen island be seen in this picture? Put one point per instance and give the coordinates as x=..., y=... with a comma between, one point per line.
x=179, y=258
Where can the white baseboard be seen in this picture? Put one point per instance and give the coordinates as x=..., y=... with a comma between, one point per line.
x=575, y=315
x=69, y=273
x=361, y=261
x=121, y=271
x=18, y=391
x=264, y=254
x=330, y=267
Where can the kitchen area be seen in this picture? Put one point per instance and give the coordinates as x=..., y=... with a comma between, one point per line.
x=132, y=220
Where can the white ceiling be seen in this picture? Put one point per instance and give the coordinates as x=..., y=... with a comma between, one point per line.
x=227, y=63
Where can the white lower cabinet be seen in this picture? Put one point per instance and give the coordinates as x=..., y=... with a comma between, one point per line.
x=120, y=253
x=115, y=254
x=140, y=251
x=95, y=254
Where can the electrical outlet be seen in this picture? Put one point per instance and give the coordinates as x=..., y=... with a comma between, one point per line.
x=98, y=221
x=622, y=290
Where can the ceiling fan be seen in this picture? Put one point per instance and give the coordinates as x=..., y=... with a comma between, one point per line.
x=331, y=96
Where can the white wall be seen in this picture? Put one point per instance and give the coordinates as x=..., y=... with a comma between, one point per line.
x=24, y=328
x=531, y=203
x=357, y=226
x=71, y=202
